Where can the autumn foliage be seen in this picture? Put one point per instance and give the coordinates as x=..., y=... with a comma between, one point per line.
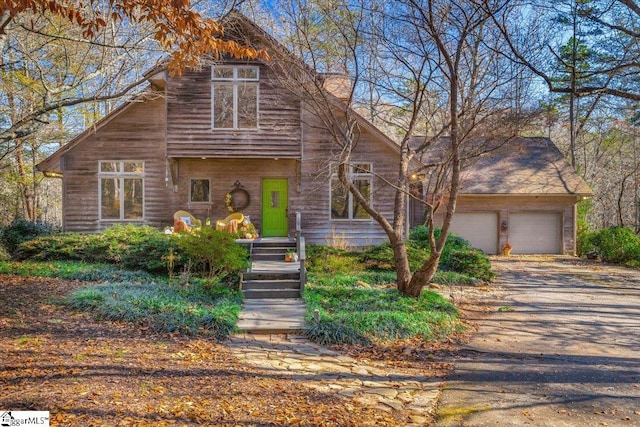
x=178, y=28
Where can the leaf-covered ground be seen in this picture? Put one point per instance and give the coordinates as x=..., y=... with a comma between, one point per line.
x=90, y=373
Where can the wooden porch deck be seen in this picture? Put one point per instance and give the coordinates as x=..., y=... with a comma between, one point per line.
x=264, y=266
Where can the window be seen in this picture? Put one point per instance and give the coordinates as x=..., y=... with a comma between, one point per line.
x=234, y=94
x=343, y=204
x=121, y=190
x=199, y=190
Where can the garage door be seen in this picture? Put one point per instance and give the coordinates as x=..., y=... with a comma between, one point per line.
x=479, y=228
x=535, y=233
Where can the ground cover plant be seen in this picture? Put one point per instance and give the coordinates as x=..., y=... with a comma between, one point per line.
x=358, y=313
x=190, y=310
x=355, y=300
x=155, y=303
x=75, y=270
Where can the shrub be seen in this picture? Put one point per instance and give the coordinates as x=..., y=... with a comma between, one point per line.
x=70, y=247
x=21, y=230
x=458, y=255
x=380, y=257
x=472, y=262
x=216, y=250
x=615, y=244
x=4, y=255
x=131, y=246
x=420, y=234
x=139, y=247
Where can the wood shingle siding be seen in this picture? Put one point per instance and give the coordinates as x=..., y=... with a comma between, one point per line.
x=189, y=132
x=314, y=198
x=137, y=134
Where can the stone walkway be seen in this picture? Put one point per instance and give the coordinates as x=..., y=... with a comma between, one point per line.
x=371, y=384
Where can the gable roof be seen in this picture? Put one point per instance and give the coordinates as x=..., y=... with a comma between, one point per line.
x=243, y=23
x=52, y=166
x=523, y=165
x=238, y=23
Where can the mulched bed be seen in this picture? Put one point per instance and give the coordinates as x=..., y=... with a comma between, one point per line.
x=91, y=373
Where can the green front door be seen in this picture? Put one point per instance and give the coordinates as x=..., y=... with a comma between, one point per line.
x=275, y=202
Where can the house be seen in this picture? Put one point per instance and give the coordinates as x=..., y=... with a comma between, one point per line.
x=229, y=134
x=232, y=135
x=521, y=190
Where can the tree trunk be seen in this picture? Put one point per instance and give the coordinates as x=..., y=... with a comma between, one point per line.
x=401, y=262
x=25, y=187
x=423, y=275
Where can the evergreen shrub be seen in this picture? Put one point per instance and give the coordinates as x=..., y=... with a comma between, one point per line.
x=21, y=230
x=614, y=244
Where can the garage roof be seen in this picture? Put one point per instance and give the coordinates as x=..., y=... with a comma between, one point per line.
x=522, y=166
x=516, y=165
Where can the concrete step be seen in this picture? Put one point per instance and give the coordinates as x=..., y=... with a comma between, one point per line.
x=270, y=276
x=271, y=293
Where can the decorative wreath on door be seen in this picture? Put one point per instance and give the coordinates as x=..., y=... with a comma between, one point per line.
x=237, y=199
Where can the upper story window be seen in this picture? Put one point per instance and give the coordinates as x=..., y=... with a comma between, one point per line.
x=343, y=204
x=121, y=186
x=234, y=95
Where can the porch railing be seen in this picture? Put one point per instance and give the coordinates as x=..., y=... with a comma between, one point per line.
x=300, y=249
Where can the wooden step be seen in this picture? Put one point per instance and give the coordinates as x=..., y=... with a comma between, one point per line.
x=270, y=284
x=271, y=293
x=270, y=277
x=268, y=256
x=263, y=243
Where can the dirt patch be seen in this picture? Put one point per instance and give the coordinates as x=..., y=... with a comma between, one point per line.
x=104, y=373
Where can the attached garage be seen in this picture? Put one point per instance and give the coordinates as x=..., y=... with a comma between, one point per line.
x=479, y=228
x=535, y=232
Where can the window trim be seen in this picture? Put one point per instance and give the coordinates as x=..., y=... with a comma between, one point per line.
x=235, y=81
x=353, y=175
x=195, y=178
x=121, y=175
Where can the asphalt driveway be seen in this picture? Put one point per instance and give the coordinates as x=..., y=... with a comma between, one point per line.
x=562, y=348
